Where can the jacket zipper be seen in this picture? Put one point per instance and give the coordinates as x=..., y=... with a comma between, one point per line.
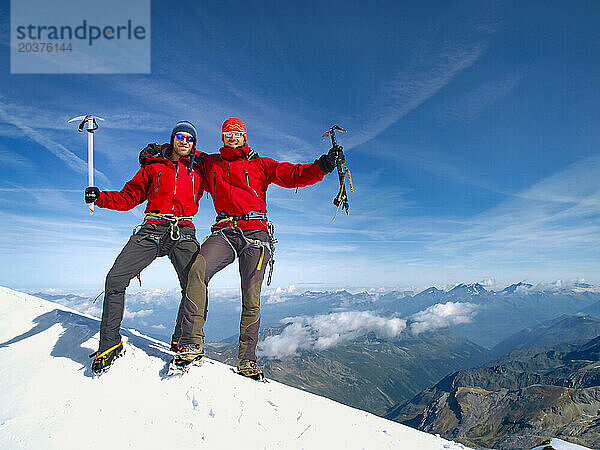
x=214, y=183
x=248, y=182
x=194, y=187
x=175, y=189
x=157, y=184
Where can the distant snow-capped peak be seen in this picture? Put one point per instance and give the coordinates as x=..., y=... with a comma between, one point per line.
x=472, y=289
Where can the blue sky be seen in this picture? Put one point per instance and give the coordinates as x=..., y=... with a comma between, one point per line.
x=473, y=140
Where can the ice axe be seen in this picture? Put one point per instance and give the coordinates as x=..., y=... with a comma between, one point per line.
x=92, y=126
x=341, y=199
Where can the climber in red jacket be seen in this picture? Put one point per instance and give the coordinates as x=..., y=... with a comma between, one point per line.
x=237, y=179
x=171, y=182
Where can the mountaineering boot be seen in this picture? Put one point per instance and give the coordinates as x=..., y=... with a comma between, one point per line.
x=248, y=368
x=103, y=361
x=188, y=355
x=174, y=346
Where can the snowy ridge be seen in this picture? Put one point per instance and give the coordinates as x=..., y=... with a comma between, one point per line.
x=559, y=444
x=49, y=400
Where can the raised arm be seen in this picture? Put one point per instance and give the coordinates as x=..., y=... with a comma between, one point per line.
x=292, y=175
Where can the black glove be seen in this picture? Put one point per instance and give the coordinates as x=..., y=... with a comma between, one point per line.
x=91, y=194
x=150, y=150
x=329, y=161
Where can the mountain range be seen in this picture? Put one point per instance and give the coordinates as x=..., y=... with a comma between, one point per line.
x=493, y=315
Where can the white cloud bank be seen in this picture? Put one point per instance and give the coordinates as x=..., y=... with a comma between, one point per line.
x=324, y=331
x=442, y=315
x=327, y=330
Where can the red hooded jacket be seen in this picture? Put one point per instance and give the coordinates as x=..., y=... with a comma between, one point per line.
x=170, y=188
x=238, y=178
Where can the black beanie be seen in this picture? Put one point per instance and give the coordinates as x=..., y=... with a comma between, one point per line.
x=184, y=126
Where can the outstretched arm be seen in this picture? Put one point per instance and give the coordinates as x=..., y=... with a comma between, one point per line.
x=299, y=175
x=292, y=175
x=133, y=193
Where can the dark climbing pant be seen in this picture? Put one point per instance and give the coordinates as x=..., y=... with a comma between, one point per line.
x=217, y=252
x=149, y=243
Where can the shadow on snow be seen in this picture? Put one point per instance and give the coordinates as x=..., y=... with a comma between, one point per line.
x=79, y=329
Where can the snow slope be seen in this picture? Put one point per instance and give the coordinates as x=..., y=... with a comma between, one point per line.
x=559, y=444
x=49, y=400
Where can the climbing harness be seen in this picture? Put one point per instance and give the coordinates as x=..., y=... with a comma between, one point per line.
x=171, y=218
x=174, y=231
x=252, y=215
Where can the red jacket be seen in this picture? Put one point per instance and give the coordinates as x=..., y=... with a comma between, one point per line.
x=238, y=178
x=169, y=187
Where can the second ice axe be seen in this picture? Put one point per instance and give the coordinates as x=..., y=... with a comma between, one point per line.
x=341, y=199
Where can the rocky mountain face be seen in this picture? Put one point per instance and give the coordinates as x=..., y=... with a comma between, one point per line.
x=369, y=373
x=515, y=401
x=563, y=329
x=509, y=419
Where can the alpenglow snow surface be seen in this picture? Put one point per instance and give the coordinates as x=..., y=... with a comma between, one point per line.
x=49, y=400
